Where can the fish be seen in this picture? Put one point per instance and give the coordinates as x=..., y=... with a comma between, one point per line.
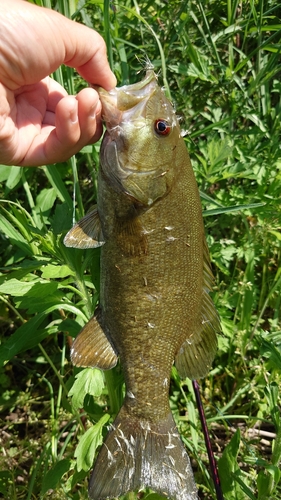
x=155, y=307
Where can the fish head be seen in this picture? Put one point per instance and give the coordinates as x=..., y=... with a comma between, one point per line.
x=139, y=153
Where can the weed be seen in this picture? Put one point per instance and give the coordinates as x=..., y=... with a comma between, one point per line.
x=220, y=62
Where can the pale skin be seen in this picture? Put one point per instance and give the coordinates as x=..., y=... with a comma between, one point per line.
x=39, y=122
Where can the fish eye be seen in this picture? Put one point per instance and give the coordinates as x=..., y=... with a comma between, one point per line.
x=162, y=127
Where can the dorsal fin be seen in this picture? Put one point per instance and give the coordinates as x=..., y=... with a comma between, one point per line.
x=195, y=356
x=93, y=348
x=87, y=233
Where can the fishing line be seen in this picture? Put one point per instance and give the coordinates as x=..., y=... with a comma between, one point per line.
x=161, y=52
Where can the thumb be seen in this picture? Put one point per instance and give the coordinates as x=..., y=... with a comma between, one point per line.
x=85, y=50
x=35, y=41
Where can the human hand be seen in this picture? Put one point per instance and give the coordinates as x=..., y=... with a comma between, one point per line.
x=39, y=122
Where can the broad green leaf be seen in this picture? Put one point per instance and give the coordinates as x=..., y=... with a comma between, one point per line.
x=4, y=172
x=76, y=478
x=27, y=335
x=273, y=471
x=54, y=475
x=223, y=344
x=44, y=202
x=16, y=238
x=62, y=219
x=87, y=381
x=277, y=234
x=16, y=287
x=264, y=480
x=179, y=68
x=234, y=28
x=39, y=304
x=56, y=271
x=39, y=288
x=257, y=121
x=20, y=218
x=246, y=491
x=153, y=496
x=14, y=178
x=219, y=151
x=89, y=442
x=227, y=466
x=56, y=181
x=195, y=72
x=273, y=48
x=70, y=326
x=20, y=339
x=45, y=199
x=228, y=252
x=24, y=268
x=272, y=353
x=87, y=149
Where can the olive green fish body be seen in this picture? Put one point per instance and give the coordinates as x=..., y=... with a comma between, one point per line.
x=155, y=307
x=151, y=286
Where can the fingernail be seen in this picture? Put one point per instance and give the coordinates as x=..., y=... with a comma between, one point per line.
x=93, y=110
x=74, y=112
x=74, y=115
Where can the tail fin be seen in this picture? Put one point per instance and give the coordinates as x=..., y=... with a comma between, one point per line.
x=139, y=454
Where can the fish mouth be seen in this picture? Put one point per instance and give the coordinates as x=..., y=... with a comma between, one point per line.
x=127, y=103
x=131, y=156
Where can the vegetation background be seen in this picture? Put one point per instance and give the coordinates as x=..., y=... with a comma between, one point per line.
x=221, y=62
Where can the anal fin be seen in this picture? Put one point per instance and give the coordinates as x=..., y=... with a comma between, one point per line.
x=92, y=347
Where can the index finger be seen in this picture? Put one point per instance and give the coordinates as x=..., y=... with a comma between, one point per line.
x=86, y=52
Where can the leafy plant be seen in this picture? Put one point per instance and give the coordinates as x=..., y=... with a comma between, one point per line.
x=222, y=64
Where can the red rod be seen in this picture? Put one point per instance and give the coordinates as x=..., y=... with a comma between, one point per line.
x=212, y=461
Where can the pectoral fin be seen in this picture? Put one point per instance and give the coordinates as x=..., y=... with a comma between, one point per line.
x=92, y=347
x=131, y=237
x=195, y=356
x=87, y=233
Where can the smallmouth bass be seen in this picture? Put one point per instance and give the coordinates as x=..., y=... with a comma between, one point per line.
x=155, y=307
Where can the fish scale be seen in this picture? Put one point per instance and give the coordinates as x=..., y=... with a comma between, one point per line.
x=155, y=279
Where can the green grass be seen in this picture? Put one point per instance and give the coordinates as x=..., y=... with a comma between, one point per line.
x=222, y=63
